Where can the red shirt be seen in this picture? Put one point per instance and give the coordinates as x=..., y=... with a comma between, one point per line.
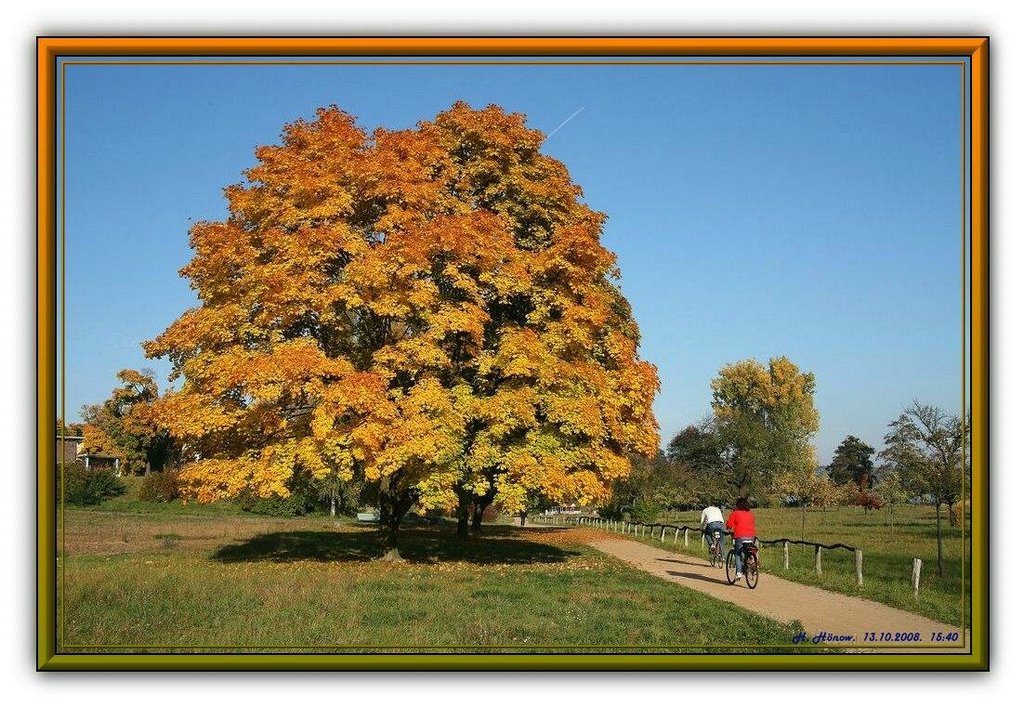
x=741, y=523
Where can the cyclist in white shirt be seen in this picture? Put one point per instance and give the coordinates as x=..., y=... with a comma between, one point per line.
x=711, y=520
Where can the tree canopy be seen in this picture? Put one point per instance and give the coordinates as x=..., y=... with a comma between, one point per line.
x=122, y=426
x=428, y=308
x=928, y=448
x=764, y=418
x=697, y=447
x=852, y=463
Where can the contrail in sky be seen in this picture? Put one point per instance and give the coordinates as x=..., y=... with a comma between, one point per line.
x=562, y=124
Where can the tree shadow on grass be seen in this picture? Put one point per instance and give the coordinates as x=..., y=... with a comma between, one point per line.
x=423, y=546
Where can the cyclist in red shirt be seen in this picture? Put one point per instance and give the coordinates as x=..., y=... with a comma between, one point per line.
x=741, y=523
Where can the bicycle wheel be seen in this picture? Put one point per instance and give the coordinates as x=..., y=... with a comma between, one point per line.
x=720, y=558
x=711, y=555
x=750, y=571
x=730, y=567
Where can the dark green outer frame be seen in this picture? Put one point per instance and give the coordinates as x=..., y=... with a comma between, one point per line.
x=974, y=50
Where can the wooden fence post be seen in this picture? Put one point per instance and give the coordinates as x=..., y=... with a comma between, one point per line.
x=686, y=537
x=785, y=554
x=817, y=560
x=858, y=560
x=662, y=539
x=675, y=537
x=917, y=576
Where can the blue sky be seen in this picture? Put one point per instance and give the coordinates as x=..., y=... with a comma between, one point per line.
x=806, y=211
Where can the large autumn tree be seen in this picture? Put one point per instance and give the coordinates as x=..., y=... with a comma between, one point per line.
x=429, y=309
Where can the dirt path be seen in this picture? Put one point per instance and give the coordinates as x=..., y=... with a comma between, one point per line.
x=818, y=610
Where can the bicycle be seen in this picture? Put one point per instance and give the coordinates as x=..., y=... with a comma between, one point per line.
x=715, y=555
x=749, y=550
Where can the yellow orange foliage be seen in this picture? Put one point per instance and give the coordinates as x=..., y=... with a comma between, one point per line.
x=431, y=307
x=123, y=425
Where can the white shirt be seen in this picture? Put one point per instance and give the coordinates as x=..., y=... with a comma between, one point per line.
x=710, y=515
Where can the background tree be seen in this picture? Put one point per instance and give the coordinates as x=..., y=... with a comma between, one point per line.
x=69, y=429
x=122, y=426
x=765, y=418
x=892, y=492
x=852, y=463
x=868, y=500
x=926, y=447
x=654, y=485
x=431, y=307
x=697, y=447
x=803, y=486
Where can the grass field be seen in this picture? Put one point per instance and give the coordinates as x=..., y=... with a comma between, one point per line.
x=889, y=549
x=158, y=579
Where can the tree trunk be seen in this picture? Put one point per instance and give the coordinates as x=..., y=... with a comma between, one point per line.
x=478, y=516
x=334, y=506
x=803, y=521
x=480, y=504
x=462, y=514
x=394, y=504
x=938, y=536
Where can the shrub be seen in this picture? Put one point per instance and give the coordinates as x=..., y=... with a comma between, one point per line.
x=644, y=511
x=160, y=486
x=275, y=505
x=303, y=497
x=88, y=486
x=867, y=501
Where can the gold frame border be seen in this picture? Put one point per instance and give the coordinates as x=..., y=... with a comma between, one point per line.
x=976, y=49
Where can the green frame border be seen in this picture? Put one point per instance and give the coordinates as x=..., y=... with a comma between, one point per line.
x=50, y=50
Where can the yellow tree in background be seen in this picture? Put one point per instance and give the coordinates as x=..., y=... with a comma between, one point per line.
x=430, y=309
x=765, y=418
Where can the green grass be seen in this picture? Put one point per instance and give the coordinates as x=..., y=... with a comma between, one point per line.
x=171, y=582
x=889, y=551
